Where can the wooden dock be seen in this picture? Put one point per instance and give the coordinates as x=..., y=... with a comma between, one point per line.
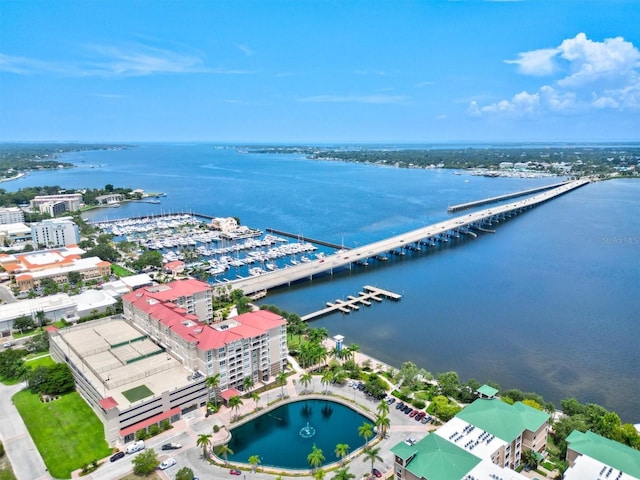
x=352, y=303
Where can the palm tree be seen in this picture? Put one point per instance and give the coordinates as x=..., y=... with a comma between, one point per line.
x=281, y=379
x=247, y=384
x=366, y=431
x=327, y=378
x=224, y=450
x=342, y=450
x=305, y=379
x=383, y=423
x=315, y=458
x=234, y=403
x=382, y=408
x=254, y=460
x=319, y=474
x=317, y=335
x=352, y=350
x=255, y=396
x=204, y=441
x=343, y=474
x=212, y=383
x=372, y=454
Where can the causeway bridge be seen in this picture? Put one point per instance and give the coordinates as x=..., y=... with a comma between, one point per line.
x=414, y=240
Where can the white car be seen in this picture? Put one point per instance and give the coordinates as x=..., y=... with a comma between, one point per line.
x=169, y=462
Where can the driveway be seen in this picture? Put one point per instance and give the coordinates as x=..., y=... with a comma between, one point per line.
x=25, y=459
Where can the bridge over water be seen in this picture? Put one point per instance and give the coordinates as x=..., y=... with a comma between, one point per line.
x=413, y=240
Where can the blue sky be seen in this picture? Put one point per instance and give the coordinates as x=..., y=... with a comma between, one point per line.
x=320, y=71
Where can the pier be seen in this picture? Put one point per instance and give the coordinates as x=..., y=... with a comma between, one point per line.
x=346, y=306
x=500, y=198
x=425, y=237
x=306, y=239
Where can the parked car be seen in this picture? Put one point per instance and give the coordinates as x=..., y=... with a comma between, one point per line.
x=419, y=416
x=407, y=409
x=171, y=446
x=376, y=473
x=135, y=447
x=391, y=401
x=233, y=471
x=399, y=405
x=413, y=413
x=426, y=419
x=169, y=462
x=116, y=456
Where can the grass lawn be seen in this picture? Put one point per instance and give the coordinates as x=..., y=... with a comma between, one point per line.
x=137, y=393
x=45, y=360
x=120, y=271
x=66, y=431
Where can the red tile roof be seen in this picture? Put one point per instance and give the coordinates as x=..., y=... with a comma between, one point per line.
x=228, y=393
x=108, y=403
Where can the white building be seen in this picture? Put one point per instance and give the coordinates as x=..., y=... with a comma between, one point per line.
x=44, y=203
x=55, y=232
x=11, y=215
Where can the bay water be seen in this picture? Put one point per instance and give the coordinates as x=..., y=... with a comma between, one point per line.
x=549, y=303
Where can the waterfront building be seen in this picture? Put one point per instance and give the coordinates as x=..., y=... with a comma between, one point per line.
x=55, y=232
x=28, y=269
x=484, y=439
x=178, y=315
x=11, y=215
x=55, y=204
x=591, y=456
x=151, y=365
x=109, y=199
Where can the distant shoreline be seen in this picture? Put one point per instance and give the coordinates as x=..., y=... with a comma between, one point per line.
x=20, y=175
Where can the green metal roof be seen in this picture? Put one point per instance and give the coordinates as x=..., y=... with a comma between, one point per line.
x=501, y=419
x=607, y=451
x=434, y=457
x=488, y=391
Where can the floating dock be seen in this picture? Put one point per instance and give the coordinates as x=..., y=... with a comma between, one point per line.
x=352, y=302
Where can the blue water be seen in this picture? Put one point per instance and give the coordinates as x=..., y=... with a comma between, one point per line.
x=549, y=303
x=276, y=436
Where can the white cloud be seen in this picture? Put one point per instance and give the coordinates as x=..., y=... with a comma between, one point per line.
x=595, y=75
x=108, y=60
x=373, y=99
x=537, y=62
x=591, y=61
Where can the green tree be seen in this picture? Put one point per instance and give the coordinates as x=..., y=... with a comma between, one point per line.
x=366, y=431
x=51, y=380
x=234, y=404
x=316, y=457
x=281, y=379
x=449, y=383
x=247, y=384
x=342, y=450
x=382, y=408
x=383, y=423
x=204, y=441
x=327, y=378
x=255, y=396
x=254, y=460
x=305, y=380
x=343, y=474
x=372, y=454
x=185, y=473
x=224, y=450
x=530, y=458
x=145, y=462
x=212, y=383
x=24, y=324
x=12, y=364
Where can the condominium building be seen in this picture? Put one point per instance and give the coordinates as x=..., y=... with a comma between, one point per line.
x=55, y=232
x=151, y=365
x=70, y=202
x=591, y=456
x=11, y=215
x=484, y=440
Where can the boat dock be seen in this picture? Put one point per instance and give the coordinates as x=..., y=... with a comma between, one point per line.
x=352, y=302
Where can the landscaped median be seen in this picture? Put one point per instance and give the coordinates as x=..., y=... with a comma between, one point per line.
x=66, y=432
